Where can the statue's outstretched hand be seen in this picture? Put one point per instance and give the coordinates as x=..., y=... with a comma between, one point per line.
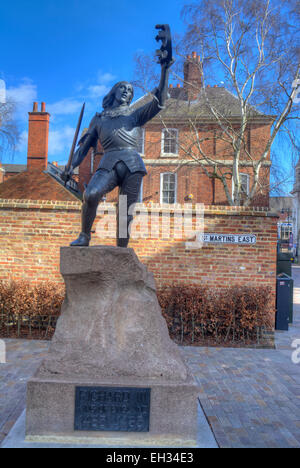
x=164, y=54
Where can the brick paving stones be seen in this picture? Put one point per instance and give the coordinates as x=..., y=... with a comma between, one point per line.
x=22, y=359
x=251, y=397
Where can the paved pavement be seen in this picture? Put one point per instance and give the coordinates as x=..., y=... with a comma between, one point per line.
x=22, y=359
x=251, y=397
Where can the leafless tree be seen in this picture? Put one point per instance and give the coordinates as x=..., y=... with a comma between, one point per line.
x=253, y=47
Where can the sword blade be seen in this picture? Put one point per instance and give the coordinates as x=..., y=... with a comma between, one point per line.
x=75, y=138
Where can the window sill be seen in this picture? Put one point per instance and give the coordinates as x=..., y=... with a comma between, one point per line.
x=169, y=155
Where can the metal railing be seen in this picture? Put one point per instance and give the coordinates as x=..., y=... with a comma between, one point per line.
x=24, y=326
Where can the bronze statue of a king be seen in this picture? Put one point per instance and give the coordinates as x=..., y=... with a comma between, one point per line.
x=117, y=129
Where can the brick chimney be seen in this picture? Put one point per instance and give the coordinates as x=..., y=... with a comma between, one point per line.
x=192, y=76
x=2, y=172
x=38, y=131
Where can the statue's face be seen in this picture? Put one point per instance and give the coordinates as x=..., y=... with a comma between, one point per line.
x=124, y=93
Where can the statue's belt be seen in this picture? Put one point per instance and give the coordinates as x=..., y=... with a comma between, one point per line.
x=120, y=148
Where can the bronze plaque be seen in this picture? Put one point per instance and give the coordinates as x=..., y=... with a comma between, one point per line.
x=112, y=409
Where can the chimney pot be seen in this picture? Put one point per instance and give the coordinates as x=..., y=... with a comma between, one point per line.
x=208, y=86
x=171, y=86
x=43, y=107
x=215, y=86
x=178, y=85
x=189, y=57
x=35, y=107
x=194, y=54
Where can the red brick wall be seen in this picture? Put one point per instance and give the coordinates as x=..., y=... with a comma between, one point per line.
x=31, y=234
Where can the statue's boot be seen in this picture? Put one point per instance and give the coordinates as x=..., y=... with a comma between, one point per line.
x=123, y=242
x=88, y=215
x=82, y=241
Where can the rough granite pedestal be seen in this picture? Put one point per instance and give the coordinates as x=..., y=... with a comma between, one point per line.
x=111, y=335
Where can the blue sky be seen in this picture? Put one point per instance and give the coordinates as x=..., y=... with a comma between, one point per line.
x=65, y=52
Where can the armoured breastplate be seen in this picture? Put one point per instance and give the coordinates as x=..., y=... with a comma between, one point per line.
x=118, y=132
x=119, y=136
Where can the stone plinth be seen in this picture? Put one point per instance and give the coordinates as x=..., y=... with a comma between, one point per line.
x=111, y=334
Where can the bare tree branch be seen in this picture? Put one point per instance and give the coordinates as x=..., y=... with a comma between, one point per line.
x=251, y=45
x=8, y=129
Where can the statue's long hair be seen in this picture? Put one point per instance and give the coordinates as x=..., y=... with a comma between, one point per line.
x=110, y=97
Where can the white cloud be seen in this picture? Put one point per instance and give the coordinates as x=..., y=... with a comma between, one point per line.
x=87, y=92
x=102, y=85
x=105, y=77
x=23, y=96
x=66, y=106
x=98, y=87
x=98, y=91
x=22, y=142
x=60, y=142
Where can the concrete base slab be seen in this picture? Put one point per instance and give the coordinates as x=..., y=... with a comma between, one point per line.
x=16, y=437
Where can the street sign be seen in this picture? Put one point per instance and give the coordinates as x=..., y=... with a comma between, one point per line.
x=216, y=238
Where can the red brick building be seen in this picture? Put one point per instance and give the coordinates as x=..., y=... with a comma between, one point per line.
x=173, y=174
x=166, y=144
